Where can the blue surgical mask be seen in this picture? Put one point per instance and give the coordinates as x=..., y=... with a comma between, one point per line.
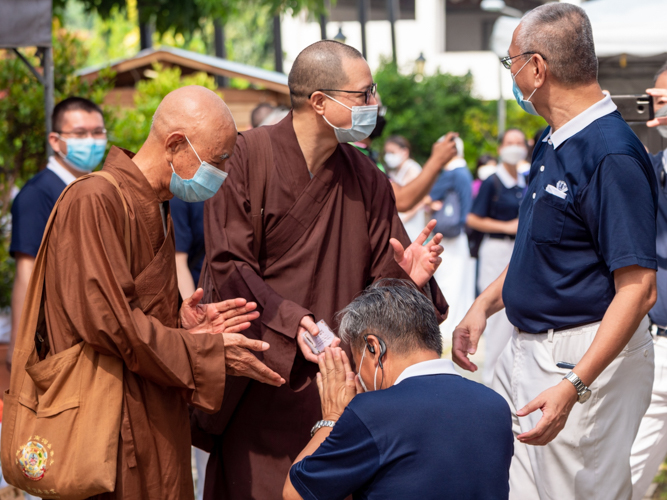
x=203, y=185
x=525, y=104
x=84, y=154
x=364, y=119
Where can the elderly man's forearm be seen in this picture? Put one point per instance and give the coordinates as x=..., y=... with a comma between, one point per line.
x=289, y=493
x=636, y=295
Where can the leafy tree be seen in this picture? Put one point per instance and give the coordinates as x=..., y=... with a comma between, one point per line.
x=422, y=109
x=22, y=125
x=186, y=16
x=132, y=125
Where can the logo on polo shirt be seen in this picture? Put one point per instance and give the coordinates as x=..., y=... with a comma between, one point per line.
x=561, y=186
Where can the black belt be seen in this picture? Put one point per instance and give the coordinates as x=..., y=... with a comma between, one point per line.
x=658, y=330
x=502, y=236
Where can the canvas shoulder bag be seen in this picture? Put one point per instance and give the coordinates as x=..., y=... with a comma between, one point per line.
x=61, y=420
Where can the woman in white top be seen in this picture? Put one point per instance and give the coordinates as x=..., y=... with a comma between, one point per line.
x=402, y=169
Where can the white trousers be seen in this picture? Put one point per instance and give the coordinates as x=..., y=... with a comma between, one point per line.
x=456, y=279
x=494, y=255
x=589, y=459
x=650, y=446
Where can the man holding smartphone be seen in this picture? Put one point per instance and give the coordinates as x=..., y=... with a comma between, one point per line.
x=581, y=279
x=650, y=446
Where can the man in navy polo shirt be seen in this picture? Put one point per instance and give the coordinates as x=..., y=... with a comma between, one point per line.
x=581, y=279
x=78, y=141
x=422, y=432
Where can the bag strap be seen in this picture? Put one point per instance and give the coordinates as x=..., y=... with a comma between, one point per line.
x=34, y=300
x=260, y=159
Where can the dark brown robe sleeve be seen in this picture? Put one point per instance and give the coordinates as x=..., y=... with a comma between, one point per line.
x=384, y=224
x=100, y=305
x=234, y=271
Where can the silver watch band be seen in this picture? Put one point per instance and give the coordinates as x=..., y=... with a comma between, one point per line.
x=320, y=424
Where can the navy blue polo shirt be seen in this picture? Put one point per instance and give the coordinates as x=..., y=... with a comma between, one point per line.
x=659, y=312
x=189, y=232
x=497, y=201
x=429, y=437
x=590, y=209
x=31, y=210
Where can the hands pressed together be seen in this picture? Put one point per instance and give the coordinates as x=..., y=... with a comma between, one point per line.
x=336, y=382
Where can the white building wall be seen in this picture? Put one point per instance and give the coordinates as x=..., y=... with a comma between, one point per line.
x=425, y=34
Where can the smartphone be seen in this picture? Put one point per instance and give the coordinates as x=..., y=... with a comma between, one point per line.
x=321, y=340
x=634, y=108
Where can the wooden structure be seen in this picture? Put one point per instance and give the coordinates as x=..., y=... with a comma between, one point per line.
x=267, y=86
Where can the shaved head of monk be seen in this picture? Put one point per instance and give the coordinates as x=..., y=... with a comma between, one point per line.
x=191, y=125
x=327, y=79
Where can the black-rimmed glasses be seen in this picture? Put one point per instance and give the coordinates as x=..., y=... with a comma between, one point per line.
x=507, y=61
x=372, y=90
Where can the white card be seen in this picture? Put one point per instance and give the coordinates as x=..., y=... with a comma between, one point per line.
x=556, y=192
x=320, y=341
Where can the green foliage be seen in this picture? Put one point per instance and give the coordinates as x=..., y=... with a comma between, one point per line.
x=186, y=16
x=248, y=36
x=132, y=125
x=22, y=124
x=422, y=109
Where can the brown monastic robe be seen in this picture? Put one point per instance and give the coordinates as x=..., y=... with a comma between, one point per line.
x=91, y=295
x=304, y=268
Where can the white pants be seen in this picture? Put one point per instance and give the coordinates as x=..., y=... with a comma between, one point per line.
x=456, y=279
x=650, y=446
x=494, y=255
x=589, y=459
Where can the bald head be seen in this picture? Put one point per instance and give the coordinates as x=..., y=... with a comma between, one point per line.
x=319, y=66
x=191, y=109
x=190, y=126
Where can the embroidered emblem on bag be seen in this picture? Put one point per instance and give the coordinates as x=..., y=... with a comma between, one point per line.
x=561, y=186
x=33, y=458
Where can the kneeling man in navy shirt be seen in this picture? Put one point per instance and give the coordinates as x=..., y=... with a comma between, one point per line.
x=579, y=368
x=407, y=426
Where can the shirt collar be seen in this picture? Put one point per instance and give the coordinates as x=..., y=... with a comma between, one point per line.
x=430, y=367
x=601, y=108
x=507, y=180
x=65, y=175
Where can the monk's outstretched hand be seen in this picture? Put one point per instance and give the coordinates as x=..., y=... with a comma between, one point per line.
x=418, y=260
x=240, y=362
x=229, y=316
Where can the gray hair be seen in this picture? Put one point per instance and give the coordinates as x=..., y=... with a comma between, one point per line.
x=562, y=34
x=662, y=69
x=395, y=311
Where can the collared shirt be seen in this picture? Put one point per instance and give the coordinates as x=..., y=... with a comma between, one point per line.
x=430, y=367
x=500, y=197
x=32, y=207
x=590, y=209
x=64, y=174
x=659, y=312
x=415, y=440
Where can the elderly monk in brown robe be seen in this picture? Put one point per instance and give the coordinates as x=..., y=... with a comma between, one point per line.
x=330, y=229
x=170, y=358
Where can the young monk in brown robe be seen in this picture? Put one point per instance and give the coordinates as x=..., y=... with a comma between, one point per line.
x=329, y=219
x=91, y=295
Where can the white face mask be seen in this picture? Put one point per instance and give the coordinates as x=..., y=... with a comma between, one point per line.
x=513, y=155
x=364, y=119
x=359, y=372
x=394, y=160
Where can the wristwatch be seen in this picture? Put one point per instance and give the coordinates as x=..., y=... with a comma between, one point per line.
x=320, y=424
x=582, y=391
